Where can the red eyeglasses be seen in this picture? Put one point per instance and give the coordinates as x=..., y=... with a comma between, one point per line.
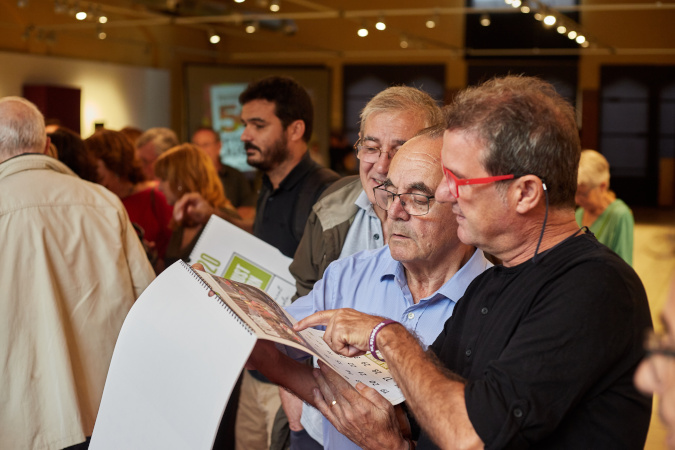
x=454, y=183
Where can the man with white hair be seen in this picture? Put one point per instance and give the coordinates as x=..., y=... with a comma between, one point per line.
x=72, y=268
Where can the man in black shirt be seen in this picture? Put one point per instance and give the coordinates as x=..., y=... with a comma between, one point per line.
x=540, y=352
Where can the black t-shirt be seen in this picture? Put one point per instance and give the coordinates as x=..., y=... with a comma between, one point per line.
x=549, y=351
x=275, y=213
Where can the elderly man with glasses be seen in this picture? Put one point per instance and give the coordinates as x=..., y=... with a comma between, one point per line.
x=539, y=352
x=416, y=279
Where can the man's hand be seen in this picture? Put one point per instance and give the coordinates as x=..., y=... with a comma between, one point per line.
x=192, y=209
x=361, y=414
x=347, y=331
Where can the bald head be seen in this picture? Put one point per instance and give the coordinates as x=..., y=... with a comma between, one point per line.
x=422, y=156
x=22, y=128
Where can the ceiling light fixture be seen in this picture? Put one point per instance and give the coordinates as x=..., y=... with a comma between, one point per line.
x=214, y=37
x=572, y=34
x=404, y=41
x=239, y=1
x=524, y=9
x=561, y=29
x=103, y=19
x=252, y=27
x=538, y=16
x=549, y=20
x=516, y=3
x=363, y=31
x=580, y=39
x=380, y=25
x=485, y=20
x=81, y=15
x=275, y=5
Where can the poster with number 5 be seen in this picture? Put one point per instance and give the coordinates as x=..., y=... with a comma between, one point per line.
x=229, y=252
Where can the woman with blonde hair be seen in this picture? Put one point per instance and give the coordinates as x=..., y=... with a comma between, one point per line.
x=608, y=217
x=182, y=169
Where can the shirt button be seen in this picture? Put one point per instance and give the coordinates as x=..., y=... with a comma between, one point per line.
x=484, y=311
x=376, y=236
x=411, y=316
x=468, y=352
x=518, y=412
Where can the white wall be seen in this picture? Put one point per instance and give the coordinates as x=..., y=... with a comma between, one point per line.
x=114, y=94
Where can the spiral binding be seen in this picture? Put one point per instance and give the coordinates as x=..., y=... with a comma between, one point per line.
x=204, y=283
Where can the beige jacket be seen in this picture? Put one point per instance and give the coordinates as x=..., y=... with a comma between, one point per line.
x=71, y=266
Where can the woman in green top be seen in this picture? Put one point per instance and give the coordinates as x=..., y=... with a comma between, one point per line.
x=608, y=217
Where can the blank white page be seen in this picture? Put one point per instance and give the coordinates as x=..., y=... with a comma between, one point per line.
x=176, y=361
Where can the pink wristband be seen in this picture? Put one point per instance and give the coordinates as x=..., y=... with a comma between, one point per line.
x=372, y=344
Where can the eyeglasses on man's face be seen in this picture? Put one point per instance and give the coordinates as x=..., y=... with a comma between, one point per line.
x=413, y=204
x=372, y=154
x=454, y=183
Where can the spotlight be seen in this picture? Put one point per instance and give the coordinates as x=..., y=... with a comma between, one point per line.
x=214, y=37
x=585, y=44
x=275, y=5
x=81, y=15
x=485, y=20
x=380, y=25
x=100, y=33
x=572, y=34
x=363, y=31
x=252, y=27
x=516, y=3
x=538, y=16
x=103, y=19
x=431, y=23
x=580, y=39
x=549, y=20
x=508, y=2
x=524, y=9
x=561, y=29
x=404, y=41
x=239, y=1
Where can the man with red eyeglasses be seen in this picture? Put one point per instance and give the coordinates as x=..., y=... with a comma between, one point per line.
x=540, y=352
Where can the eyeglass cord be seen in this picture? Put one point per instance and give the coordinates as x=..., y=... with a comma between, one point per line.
x=543, y=226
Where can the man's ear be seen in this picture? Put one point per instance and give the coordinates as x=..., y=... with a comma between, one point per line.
x=47, y=150
x=528, y=191
x=296, y=130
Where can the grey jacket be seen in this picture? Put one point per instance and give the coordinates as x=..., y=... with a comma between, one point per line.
x=325, y=233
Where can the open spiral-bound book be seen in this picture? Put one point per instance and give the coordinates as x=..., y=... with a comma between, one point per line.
x=181, y=350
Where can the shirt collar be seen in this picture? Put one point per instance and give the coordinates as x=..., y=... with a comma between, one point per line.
x=453, y=288
x=296, y=174
x=363, y=202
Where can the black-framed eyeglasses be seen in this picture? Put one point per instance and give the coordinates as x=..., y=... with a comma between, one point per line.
x=372, y=154
x=658, y=344
x=413, y=204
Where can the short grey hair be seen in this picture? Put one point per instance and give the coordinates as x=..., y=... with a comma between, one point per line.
x=22, y=128
x=162, y=138
x=402, y=99
x=593, y=169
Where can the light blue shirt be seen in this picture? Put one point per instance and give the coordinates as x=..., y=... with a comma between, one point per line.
x=374, y=283
x=365, y=232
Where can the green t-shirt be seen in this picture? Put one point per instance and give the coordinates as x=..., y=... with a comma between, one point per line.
x=614, y=228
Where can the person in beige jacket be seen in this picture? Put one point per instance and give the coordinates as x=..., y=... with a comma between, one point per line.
x=72, y=266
